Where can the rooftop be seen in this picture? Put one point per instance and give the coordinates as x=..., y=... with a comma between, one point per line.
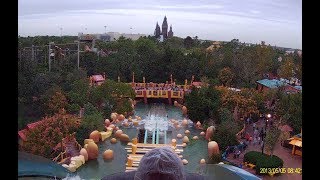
x=98, y=78
x=273, y=83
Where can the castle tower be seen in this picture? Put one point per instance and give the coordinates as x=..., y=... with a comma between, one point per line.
x=165, y=28
x=170, y=33
x=157, y=31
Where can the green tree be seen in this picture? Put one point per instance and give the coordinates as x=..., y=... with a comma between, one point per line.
x=226, y=76
x=203, y=104
x=289, y=109
x=287, y=69
x=225, y=115
x=188, y=42
x=271, y=139
x=57, y=100
x=92, y=120
x=225, y=134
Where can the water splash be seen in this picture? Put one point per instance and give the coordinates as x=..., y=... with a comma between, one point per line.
x=72, y=177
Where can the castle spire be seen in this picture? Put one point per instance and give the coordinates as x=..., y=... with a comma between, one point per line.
x=170, y=33
x=157, y=31
x=165, y=27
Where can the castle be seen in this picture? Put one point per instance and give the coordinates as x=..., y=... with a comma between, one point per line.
x=164, y=34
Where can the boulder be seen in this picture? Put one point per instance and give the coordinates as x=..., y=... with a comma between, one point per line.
x=118, y=133
x=113, y=140
x=185, y=139
x=113, y=116
x=184, y=161
x=107, y=122
x=209, y=132
x=184, y=110
x=195, y=137
x=213, y=148
x=202, y=161
x=187, y=132
x=84, y=153
x=121, y=117
x=95, y=136
x=184, y=145
x=124, y=138
x=108, y=154
x=86, y=141
x=184, y=123
x=92, y=150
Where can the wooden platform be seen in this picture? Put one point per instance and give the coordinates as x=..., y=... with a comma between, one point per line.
x=142, y=149
x=153, y=145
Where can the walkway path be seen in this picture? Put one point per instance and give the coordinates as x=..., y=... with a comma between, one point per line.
x=290, y=161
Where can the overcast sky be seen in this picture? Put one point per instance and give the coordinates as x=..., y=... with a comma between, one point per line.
x=277, y=22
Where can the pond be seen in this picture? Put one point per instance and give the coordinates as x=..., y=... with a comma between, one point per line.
x=194, y=152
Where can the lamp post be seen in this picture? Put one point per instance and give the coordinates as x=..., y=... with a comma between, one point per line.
x=265, y=132
x=268, y=119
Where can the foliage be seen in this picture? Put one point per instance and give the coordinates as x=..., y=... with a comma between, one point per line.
x=112, y=96
x=284, y=135
x=188, y=42
x=225, y=115
x=289, y=108
x=226, y=76
x=56, y=101
x=271, y=139
x=92, y=120
x=287, y=69
x=45, y=136
x=262, y=160
x=202, y=103
x=79, y=92
x=149, y=58
x=236, y=101
x=225, y=134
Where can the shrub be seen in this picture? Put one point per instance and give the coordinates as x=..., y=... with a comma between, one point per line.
x=262, y=160
x=225, y=134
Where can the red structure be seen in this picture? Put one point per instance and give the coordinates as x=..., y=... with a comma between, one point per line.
x=97, y=80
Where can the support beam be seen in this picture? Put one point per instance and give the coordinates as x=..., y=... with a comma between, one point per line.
x=157, y=140
x=153, y=136
x=145, y=137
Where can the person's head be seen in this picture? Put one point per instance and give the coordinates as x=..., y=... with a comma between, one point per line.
x=160, y=163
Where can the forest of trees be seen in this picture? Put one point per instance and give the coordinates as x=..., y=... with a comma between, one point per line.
x=233, y=65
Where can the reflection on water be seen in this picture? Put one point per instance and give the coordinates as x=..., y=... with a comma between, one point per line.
x=194, y=152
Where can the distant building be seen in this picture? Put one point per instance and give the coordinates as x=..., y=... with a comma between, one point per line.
x=165, y=28
x=163, y=34
x=170, y=33
x=266, y=84
x=110, y=36
x=157, y=31
x=289, y=51
x=97, y=80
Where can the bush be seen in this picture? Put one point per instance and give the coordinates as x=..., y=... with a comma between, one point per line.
x=225, y=134
x=262, y=160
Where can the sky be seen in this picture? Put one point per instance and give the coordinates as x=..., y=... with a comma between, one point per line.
x=277, y=22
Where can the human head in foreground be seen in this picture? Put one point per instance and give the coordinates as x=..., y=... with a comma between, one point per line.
x=160, y=163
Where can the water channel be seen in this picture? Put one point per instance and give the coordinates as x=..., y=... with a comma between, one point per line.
x=154, y=116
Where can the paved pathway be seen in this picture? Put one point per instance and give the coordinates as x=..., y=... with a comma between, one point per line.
x=290, y=161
